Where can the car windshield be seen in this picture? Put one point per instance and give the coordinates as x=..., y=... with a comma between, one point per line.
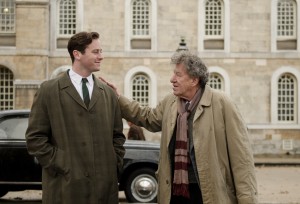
x=13, y=128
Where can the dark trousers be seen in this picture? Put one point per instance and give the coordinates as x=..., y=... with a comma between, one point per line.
x=195, y=196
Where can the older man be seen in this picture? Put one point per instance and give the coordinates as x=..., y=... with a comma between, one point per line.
x=206, y=155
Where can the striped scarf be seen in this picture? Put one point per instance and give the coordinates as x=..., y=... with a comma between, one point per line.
x=181, y=182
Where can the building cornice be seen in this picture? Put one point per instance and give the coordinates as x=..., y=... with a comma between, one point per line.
x=32, y=2
x=27, y=84
x=273, y=126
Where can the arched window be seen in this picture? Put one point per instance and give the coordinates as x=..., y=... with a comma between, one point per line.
x=67, y=18
x=140, y=85
x=214, y=18
x=286, y=19
x=214, y=25
x=216, y=81
x=141, y=18
x=6, y=89
x=140, y=24
x=286, y=99
x=285, y=25
x=219, y=79
x=140, y=89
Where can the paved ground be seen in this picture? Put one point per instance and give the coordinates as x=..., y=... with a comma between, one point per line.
x=276, y=184
x=279, y=184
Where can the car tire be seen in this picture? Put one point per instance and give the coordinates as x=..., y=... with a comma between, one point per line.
x=3, y=192
x=141, y=186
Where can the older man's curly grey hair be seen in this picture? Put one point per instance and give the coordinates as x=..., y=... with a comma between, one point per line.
x=193, y=64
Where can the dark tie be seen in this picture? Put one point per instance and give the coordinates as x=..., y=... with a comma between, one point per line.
x=85, y=92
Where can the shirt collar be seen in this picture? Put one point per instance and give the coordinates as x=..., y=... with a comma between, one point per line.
x=77, y=78
x=90, y=79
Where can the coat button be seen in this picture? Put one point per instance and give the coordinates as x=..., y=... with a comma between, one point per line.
x=86, y=174
x=167, y=181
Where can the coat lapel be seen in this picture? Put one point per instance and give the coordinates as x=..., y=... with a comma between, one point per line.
x=173, y=119
x=204, y=125
x=65, y=83
x=98, y=88
x=204, y=101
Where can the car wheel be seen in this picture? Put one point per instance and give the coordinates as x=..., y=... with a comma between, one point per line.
x=141, y=186
x=3, y=192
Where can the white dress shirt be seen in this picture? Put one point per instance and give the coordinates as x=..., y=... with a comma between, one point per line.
x=77, y=82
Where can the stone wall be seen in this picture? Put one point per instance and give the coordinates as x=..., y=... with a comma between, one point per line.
x=249, y=61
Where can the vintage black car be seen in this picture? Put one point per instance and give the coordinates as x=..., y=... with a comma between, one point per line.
x=20, y=171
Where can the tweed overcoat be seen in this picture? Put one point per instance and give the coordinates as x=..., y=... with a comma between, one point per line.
x=222, y=147
x=80, y=149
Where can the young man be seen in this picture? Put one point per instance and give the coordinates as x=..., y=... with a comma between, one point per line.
x=75, y=131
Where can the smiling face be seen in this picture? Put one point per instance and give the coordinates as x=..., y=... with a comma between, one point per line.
x=184, y=86
x=89, y=61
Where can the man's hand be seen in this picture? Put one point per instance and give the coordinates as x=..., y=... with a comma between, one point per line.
x=111, y=85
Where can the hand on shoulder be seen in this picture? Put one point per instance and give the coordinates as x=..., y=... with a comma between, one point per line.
x=110, y=85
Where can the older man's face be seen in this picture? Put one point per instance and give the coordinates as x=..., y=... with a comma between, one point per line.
x=184, y=86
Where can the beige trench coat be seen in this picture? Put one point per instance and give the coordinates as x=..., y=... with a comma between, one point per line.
x=222, y=147
x=79, y=149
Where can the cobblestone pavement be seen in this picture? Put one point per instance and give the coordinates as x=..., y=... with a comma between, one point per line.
x=276, y=185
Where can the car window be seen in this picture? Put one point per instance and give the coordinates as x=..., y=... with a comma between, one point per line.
x=13, y=128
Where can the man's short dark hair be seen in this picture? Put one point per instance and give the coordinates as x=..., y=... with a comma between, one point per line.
x=80, y=41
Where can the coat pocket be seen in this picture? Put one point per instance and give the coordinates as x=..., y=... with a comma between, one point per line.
x=58, y=164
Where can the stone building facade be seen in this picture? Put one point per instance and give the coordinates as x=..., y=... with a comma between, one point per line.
x=250, y=47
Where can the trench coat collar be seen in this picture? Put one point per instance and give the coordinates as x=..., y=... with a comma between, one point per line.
x=206, y=96
x=204, y=101
x=65, y=83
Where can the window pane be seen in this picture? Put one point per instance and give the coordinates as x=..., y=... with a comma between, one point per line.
x=216, y=81
x=6, y=89
x=67, y=17
x=286, y=15
x=141, y=17
x=213, y=18
x=286, y=98
x=140, y=89
x=13, y=128
x=7, y=16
